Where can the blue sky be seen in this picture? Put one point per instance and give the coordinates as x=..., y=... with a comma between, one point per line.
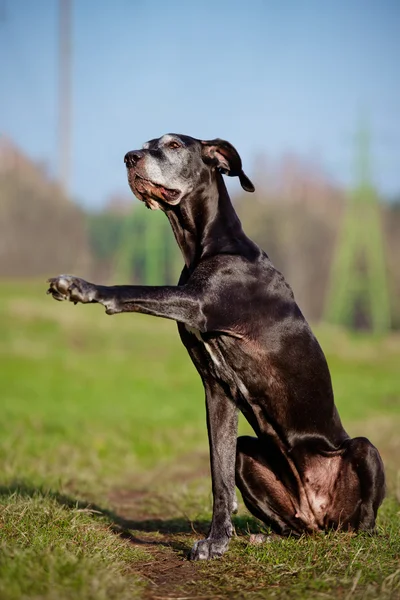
x=271, y=76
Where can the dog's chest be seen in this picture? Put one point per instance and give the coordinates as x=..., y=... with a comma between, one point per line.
x=216, y=356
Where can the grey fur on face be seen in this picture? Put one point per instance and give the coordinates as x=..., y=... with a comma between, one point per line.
x=173, y=166
x=171, y=162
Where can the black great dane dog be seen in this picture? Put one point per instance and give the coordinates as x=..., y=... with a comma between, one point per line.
x=254, y=351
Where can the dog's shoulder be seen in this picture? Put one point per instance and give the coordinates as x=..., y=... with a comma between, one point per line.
x=237, y=273
x=237, y=293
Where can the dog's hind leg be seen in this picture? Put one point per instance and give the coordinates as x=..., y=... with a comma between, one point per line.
x=367, y=464
x=268, y=486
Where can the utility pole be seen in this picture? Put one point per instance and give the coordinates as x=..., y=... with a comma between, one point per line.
x=358, y=282
x=64, y=95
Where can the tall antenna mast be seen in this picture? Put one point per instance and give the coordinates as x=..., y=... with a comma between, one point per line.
x=64, y=91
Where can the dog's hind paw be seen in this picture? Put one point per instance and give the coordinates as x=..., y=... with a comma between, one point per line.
x=209, y=548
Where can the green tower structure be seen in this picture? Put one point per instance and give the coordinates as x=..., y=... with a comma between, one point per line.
x=358, y=282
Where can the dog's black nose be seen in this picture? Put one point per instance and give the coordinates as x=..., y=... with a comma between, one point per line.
x=131, y=158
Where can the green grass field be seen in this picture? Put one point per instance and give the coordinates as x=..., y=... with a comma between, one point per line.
x=104, y=465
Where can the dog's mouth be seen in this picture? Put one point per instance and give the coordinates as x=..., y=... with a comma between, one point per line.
x=152, y=194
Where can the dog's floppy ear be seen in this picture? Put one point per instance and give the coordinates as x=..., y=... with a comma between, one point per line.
x=224, y=156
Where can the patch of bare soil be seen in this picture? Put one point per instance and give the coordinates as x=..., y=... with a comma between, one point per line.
x=150, y=514
x=170, y=575
x=168, y=539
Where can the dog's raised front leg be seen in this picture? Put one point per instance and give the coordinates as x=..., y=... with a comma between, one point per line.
x=222, y=422
x=179, y=303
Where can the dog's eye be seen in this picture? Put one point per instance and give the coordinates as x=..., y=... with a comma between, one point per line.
x=173, y=145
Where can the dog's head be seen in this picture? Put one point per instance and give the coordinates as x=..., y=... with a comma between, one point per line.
x=169, y=168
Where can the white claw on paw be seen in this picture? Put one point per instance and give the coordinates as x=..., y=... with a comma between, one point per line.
x=208, y=549
x=199, y=553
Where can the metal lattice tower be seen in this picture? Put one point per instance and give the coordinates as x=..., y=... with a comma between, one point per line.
x=358, y=284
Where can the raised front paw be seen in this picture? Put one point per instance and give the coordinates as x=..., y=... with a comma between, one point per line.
x=69, y=287
x=209, y=548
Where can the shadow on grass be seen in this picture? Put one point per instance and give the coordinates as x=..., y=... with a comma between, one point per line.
x=128, y=528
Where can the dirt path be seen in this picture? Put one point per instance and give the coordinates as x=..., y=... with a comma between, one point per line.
x=156, y=522
x=167, y=538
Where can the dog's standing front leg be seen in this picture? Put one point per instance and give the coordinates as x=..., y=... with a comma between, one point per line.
x=222, y=422
x=182, y=304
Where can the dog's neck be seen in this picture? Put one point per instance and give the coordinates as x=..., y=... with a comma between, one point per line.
x=205, y=223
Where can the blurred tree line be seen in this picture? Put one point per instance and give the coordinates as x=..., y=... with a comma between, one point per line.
x=294, y=215
x=41, y=231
